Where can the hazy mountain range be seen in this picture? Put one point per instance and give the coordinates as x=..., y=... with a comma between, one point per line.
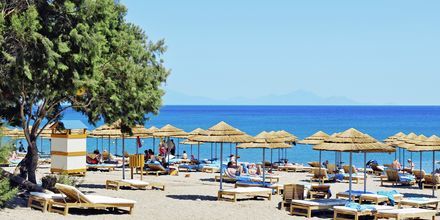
x=299, y=97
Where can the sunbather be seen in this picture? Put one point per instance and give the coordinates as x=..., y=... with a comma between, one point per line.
x=94, y=158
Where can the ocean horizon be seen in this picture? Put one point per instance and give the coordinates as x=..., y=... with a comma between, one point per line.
x=300, y=120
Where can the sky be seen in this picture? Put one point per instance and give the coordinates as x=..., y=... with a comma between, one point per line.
x=371, y=52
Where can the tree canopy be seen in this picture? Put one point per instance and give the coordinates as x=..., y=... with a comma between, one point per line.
x=80, y=54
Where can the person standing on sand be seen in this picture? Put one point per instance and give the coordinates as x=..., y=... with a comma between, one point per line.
x=162, y=148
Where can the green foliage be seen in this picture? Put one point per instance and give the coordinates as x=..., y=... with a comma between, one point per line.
x=5, y=148
x=6, y=192
x=49, y=181
x=51, y=49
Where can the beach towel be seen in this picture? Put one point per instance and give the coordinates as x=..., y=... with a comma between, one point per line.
x=358, y=193
x=389, y=194
x=406, y=178
x=359, y=207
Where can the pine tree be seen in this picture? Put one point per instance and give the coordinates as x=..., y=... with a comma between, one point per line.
x=6, y=191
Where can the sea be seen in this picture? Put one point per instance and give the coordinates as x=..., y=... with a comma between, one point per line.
x=302, y=121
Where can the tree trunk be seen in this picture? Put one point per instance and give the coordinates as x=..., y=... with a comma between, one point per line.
x=23, y=183
x=28, y=165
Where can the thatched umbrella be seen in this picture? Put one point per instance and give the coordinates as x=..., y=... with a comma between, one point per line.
x=265, y=141
x=401, y=144
x=351, y=141
x=197, y=131
x=222, y=133
x=153, y=129
x=391, y=140
x=168, y=131
x=315, y=139
x=430, y=144
x=287, y=137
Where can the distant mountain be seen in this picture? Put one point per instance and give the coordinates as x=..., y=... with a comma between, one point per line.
x=298, y=97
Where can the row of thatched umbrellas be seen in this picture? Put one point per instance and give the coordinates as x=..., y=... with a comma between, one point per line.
x=351, y=140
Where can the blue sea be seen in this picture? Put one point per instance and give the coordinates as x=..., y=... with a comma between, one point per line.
x=302, y=121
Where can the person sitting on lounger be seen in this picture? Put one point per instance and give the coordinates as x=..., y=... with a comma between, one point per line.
x=410, y=166
x=108, y=158
x=396, y=165
x=234, y=170
x=94, y=158
x=184, y=155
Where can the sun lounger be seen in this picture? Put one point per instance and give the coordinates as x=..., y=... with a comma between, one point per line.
x=137, y=184
x=292, y=192
x=340, y=211
x=356, y=177
x=156, y=169
x=276, y=187
x=210, y=169
x=294, y=168
x=314, y=164
x=377, y=199
x=431, y=181
x=320, y=175
x=406, y=213
x=40, y=201
x=76, y=199
x=246, y=191
x=319, y=191
x=392, y=176
x=268, y=179
x=420, y=175
x=355, y=195
x=420, y=203
x=102, y=166
x=305, y=207
x=331, y=168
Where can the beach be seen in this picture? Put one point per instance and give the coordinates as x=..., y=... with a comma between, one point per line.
x=193, y=197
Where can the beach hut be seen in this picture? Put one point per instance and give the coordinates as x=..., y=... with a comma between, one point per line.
x=430, y=144
x=353, y=141
x=68, y=150
x=222, y=133
x=265, y=140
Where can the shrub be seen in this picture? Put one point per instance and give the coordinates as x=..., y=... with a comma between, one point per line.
x=6, y=192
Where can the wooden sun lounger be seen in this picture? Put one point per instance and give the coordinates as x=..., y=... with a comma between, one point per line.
x=406, y=213
x=277, y=187
x=357, y=178
x=425, y=203
x=108, y=167
x=320, y=175
x=294, y=168
x=208, y=169
x=246, y=191
x=138, y=184
x=430, y=181
x=268, y=179
x=41, y=201
x=305, y=207
x=76, y=199
x=376, y=199
x=340, y=211
x=392, y=176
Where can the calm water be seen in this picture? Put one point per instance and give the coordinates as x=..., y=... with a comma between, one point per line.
x=378, y=121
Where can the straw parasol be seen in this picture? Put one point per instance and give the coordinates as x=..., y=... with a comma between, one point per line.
x=169, y=131
x=353, y=141
x=265, y=141
x=430, y=144
x=222, y=133
x=196, y=131
x=315, y=139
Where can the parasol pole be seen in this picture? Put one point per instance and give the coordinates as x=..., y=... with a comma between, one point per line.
x=221, y=166
x=123, y=157
x=350, y=177
x=365, y=172
x=433, y=171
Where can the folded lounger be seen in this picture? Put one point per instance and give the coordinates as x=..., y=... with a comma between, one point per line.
x=355, y=194
x=39, y=200
x=406, y=213
x=305, y=207
x=246, y=191
x=76, y=199
x=420, y=202
x=363, y=210
x=138, y=184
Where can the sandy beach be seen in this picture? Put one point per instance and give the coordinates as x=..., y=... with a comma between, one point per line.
x=193, y=197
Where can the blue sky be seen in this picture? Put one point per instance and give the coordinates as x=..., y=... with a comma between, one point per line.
x=374, y=52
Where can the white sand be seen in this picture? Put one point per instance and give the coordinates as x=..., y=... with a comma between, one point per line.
x=179, y=200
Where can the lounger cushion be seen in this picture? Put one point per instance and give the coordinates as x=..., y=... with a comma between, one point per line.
x=420, y=200
x=321, y=202
x=368, y=208
x=108, y=200
x=248, y=190
x=47, y=195
x=406, y=211
x=135, y=182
